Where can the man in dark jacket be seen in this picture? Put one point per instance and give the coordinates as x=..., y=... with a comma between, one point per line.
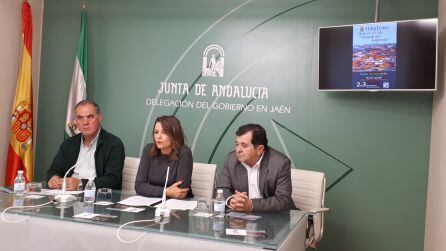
x=95, y=152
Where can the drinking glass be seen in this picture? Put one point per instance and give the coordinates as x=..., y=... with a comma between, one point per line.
x=34, y=187
x=203, y=206
x=104, y=194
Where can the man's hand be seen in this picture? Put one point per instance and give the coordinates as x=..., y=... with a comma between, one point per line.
x=72, y=184
x=175, y=192
x=55, y=182
x=240, y=202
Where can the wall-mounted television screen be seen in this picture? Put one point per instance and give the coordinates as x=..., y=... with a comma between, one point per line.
x=384, y=56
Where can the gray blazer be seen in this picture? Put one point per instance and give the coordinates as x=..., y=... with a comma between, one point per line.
x=274, y=181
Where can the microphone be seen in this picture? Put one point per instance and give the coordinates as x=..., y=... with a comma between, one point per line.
x=63, y=197
x=163, y=211
x=62, y=207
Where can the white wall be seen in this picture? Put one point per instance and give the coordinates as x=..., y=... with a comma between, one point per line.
x=10, y=23
x=436, y=198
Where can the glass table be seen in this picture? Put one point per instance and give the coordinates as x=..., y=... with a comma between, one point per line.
x=53, y=226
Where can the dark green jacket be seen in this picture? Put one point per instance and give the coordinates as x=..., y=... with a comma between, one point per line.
x=109, y=159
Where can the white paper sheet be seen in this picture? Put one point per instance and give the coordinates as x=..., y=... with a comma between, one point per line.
x=54, y=192
x=34, y=196
x=104, y=203
x=137, y=201
x=85, y=215
x=230, y=231
x=205, y=215
x=180, y=204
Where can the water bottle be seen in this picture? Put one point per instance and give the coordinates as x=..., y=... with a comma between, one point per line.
x=218, y=226
x=219, y=203
x=18, y=200
x=19, y=183
x=90, y=191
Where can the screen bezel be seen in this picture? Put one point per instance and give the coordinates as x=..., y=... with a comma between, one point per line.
x=381, y=90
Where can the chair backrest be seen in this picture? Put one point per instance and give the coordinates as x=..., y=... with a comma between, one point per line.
x=309, y=194
x=203, y=176
x=129, y=174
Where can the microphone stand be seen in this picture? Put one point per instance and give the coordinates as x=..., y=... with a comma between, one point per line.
x=163, y=211
x=64, y=197
x=163, y=221
x=62, y=207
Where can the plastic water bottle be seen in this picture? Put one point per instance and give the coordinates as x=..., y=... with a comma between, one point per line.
x=218, y=226
x=19, y=183
x=90, y=191
x=18, y=200
x=219, y=203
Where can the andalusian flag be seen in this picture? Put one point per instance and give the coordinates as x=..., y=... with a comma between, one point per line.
x=20, y=151
x=78, y=90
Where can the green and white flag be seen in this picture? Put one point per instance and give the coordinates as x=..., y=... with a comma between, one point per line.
x=78, y=90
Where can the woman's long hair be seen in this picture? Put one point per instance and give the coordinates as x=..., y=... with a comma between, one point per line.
x=172, y=128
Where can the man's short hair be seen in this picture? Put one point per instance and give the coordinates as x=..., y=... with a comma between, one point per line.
x=258, y=134
x=88, y=102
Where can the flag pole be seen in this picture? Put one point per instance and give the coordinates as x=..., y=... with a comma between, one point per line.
x=78, y=87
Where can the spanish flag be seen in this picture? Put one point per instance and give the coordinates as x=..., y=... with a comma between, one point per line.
x=20, y=151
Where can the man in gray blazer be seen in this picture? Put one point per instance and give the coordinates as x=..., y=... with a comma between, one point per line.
x=256, y=177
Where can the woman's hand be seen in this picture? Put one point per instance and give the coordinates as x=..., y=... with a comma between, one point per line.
x=175, y=192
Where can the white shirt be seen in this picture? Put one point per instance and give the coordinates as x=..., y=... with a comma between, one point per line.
x=253, y=179
x=86, y=168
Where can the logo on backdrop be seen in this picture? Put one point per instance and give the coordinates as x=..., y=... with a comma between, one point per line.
x=213, y=66
x=213, y=61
